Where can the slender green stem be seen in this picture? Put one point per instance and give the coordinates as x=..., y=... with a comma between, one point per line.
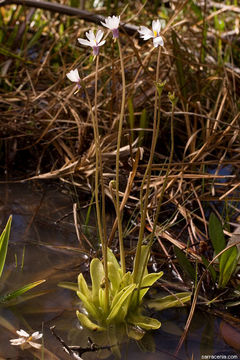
x=96, y=138
x=166, y=176
x=147, y=174
x=99, y=170
x=118, y=212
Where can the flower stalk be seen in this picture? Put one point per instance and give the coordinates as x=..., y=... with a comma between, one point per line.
x=118, y=212
x=99, y=170
x=147, y=174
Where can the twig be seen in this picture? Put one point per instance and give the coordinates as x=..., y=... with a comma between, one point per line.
x=68, y=10
x=77, y=351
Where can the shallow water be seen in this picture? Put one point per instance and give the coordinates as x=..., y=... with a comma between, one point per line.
x=43, y=245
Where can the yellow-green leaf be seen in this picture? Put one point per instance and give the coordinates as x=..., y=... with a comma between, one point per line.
x=147, y=282
x=83, y=287
x=114, y=277
x=126, y=280
x=119, y=300
x=145, y=322
x=87, y=323
x=169, y=301
x=143, y=263
x=89, y=306
x=68, y=285
x=97, y=276
x=112, y=259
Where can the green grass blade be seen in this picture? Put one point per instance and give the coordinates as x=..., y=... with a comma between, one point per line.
x=210, y=268
x=216, y=234
x=228, y=264
x=20, y=291
x=143, y=125
x=36, y=36
x=131, y=118
x=185, y=263
x=179, y=65
x=4, y=237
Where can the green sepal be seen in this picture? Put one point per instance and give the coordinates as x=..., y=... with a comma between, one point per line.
x=86, y=323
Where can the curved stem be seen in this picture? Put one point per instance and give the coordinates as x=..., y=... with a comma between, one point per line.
x=118, y=212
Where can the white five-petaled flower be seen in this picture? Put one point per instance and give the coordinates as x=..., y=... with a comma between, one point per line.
x=26, y=340
x=93, y=40
x=146, y=33
x=73, y=76
x=112, y=23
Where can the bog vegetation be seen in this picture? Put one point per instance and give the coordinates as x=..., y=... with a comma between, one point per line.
x=143, y=116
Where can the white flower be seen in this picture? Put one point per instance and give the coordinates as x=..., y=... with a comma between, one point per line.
x=25, y=340
x=112, y=23
x=93, y=40
x=146, y=33
x=74, y=77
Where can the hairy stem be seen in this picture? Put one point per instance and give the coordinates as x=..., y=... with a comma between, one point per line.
x=118, y=212
x=166, y=176
x=99, y=171
x=147, y=174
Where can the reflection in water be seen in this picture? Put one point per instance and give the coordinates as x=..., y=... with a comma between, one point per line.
x=35, y=253
x=41, y=247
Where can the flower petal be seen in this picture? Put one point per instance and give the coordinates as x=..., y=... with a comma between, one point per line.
x=114, y=22
x=37, y=335
x=35, y=345
x=18, y=341
x=158, y=41
x=102, y=43
x=90, y=35
x=72, y=76
x=111, y=22
x=156, y=26
x=104, y=23
x=84, y=42
x=145, y=33
x=23, y=333
x=99, y=36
